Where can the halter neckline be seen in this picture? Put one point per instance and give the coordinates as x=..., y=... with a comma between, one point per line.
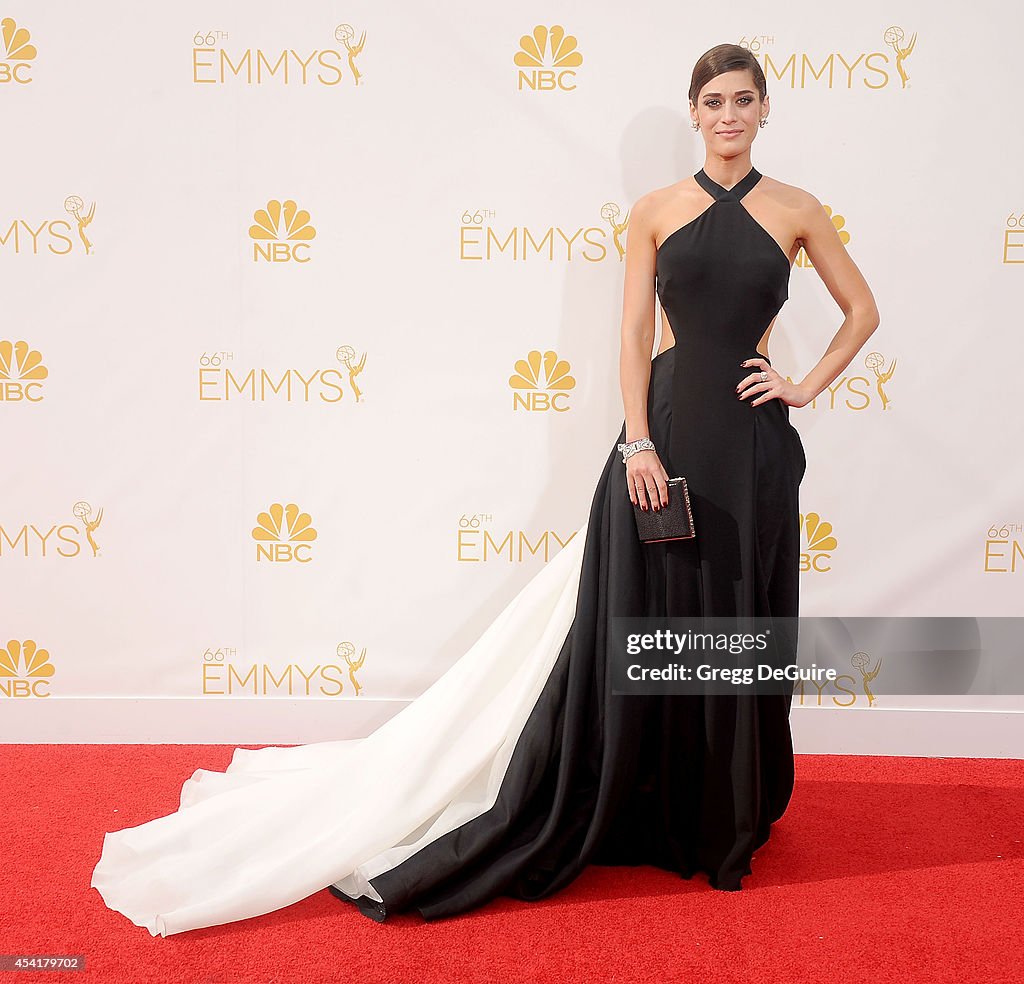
x=735, y=193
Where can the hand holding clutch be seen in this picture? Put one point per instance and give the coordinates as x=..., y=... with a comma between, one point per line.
x=671, y=522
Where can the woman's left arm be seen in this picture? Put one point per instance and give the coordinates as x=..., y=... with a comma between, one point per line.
x=851, y=292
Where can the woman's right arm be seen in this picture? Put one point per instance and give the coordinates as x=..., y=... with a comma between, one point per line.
x=644, y=470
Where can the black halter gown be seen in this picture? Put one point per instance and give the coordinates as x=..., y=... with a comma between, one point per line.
x=519, y=765
x=687, y=783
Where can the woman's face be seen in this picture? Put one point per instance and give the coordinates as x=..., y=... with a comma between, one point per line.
x=728, y=110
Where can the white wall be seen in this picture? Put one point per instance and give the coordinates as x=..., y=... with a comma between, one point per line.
x=404, y=176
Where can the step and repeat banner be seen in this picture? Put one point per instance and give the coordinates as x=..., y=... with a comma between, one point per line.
x=310, y=336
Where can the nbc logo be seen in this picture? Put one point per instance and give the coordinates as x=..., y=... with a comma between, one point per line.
x=25, y=670
x=281, y=232
x=541, y=382
x=820, y=543
x=284, y=534
x=21, y=373
x=546, y=60
x=17, y=52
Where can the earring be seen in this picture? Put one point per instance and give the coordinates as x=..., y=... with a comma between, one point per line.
x=762, y=121
x=696, y=126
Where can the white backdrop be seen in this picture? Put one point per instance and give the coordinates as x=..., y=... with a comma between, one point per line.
x=221, y=222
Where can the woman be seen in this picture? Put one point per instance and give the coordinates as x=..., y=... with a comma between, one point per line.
x=520, y=766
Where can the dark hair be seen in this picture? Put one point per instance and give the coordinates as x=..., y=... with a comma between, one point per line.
x=725, y=58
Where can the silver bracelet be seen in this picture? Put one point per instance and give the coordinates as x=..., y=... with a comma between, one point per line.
x=628, y=450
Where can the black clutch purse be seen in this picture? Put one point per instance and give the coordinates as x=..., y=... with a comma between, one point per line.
x=671, y=522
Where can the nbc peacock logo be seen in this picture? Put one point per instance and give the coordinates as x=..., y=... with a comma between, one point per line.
x=21, y=373
x=541, y=382
x=25, y=669
x=819, y=543
x=547, y=60
x=18, y=53
x=283, y=534
x=281, y=233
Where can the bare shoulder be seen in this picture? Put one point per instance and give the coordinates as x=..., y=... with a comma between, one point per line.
x=672, y=192
x=640, y=213
x=804, y=210
x=664, y=209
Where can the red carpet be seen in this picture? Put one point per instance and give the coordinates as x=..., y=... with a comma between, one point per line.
x=883, y=869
